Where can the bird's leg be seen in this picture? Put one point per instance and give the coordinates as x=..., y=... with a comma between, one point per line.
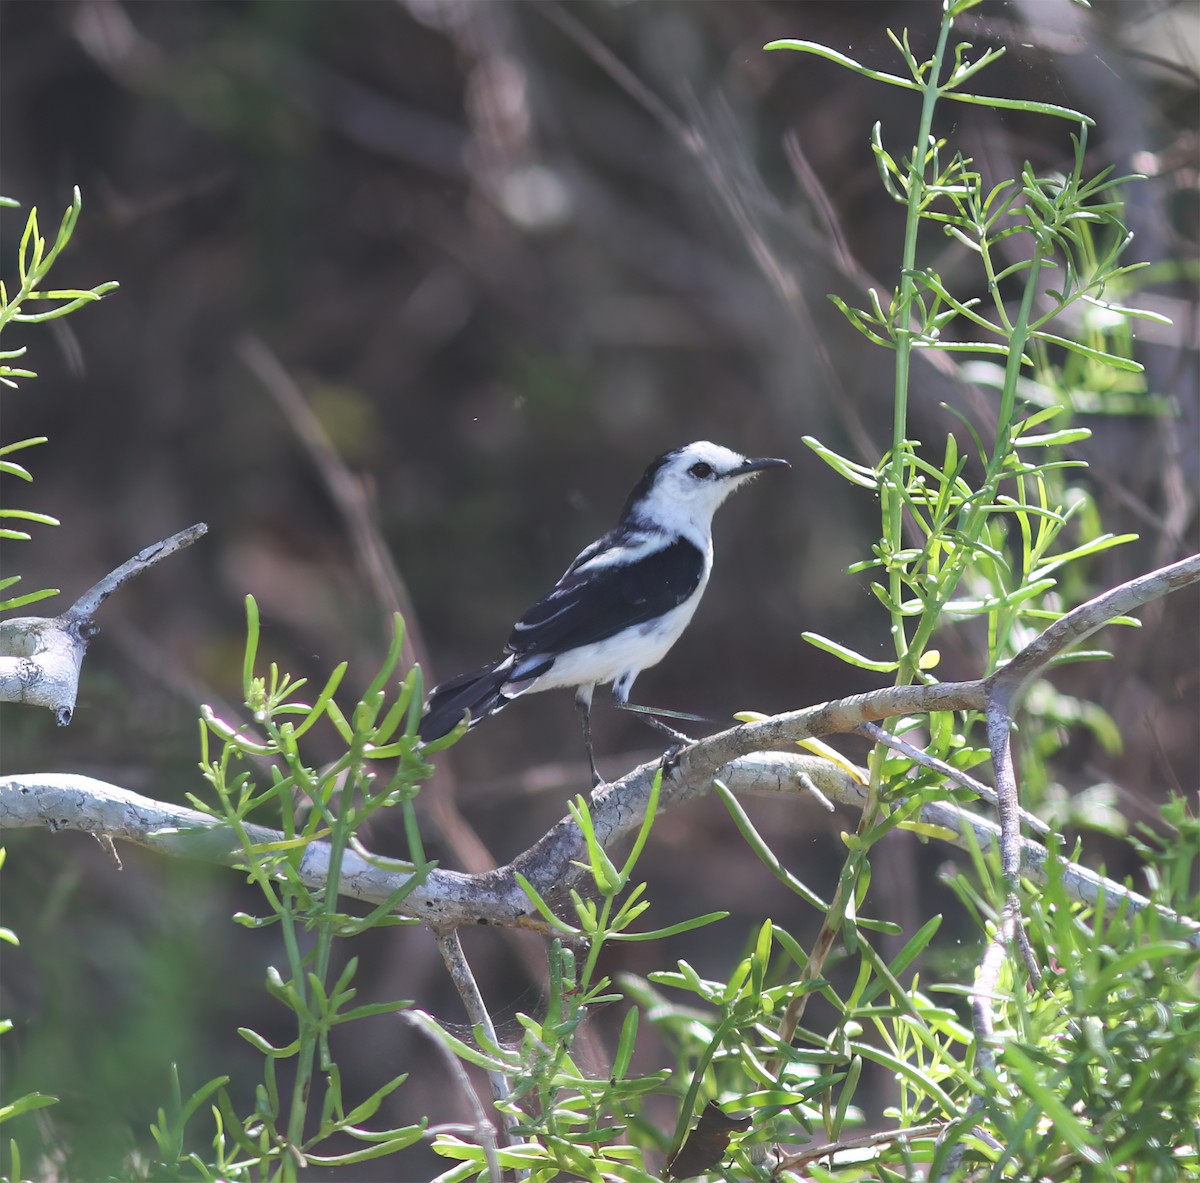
x=651, y=715
x=583, y=703
x=679, y=740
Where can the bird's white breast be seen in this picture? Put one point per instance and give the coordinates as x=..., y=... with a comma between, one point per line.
x=627, y=653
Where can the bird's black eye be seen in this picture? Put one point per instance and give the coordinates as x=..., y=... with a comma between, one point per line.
x=701, y=471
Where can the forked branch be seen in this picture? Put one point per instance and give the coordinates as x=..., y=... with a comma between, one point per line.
x=41, y=656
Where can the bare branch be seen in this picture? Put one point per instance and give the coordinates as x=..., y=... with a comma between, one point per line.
x=41, y=656
x=862, y=1142
x=446, y=898
x=737, y=756
x=483, y=1130
x=90, y=601
x=1088, y=618
x=460, y=973
x=984, y=792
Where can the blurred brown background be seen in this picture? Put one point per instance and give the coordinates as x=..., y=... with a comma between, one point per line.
x=507, y=252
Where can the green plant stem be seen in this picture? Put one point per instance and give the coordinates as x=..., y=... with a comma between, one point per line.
x=977, y=511
x=595, y=946
x=304, y=1056
x=912, y=223
x=908, y=656
x=313, y=1031
x=892, y=486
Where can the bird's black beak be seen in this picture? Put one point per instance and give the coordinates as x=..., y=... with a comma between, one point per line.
x=757, y=464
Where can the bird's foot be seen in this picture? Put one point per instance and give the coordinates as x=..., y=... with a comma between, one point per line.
x=670, y=758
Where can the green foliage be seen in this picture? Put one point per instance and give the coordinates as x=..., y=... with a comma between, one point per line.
x=991, y=526
x=291, y=1125
x=28, y=1101
x=1097, y=1067
x=1092, y=1075
x=33, y=266
x=560, y=1117
x=1002, y=534
x=34, y=261
x=1097, y=1076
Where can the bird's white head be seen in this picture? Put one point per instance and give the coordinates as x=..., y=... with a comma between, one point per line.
x=682, y=489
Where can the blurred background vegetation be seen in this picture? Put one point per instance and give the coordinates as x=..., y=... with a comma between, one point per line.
x=509, y=252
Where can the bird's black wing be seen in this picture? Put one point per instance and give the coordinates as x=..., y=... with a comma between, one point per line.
x=593, y=602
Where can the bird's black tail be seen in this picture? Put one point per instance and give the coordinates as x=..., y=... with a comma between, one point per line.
x=477, y=692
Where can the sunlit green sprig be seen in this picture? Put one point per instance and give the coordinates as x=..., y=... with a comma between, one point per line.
x=954, y=522
x=1096, y=1074
x=327, y=804
x=34, y=261
x=1067, y=223
x=566, y=1118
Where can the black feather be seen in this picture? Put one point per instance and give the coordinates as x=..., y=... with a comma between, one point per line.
x=592, y=605
x=477, y=692
x=585, y=607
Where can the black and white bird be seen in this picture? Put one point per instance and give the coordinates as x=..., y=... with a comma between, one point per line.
x=619, y=606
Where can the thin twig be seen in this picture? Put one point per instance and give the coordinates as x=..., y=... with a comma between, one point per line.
x=985, y=792
x=983, y=1024
x=863, y=1142
x=146, y=558
x=810, y=182
x=459, y=969
x=813, y=969
x=483, y=1130
x=347, y=490
x=618, y=71
x=999, y=729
